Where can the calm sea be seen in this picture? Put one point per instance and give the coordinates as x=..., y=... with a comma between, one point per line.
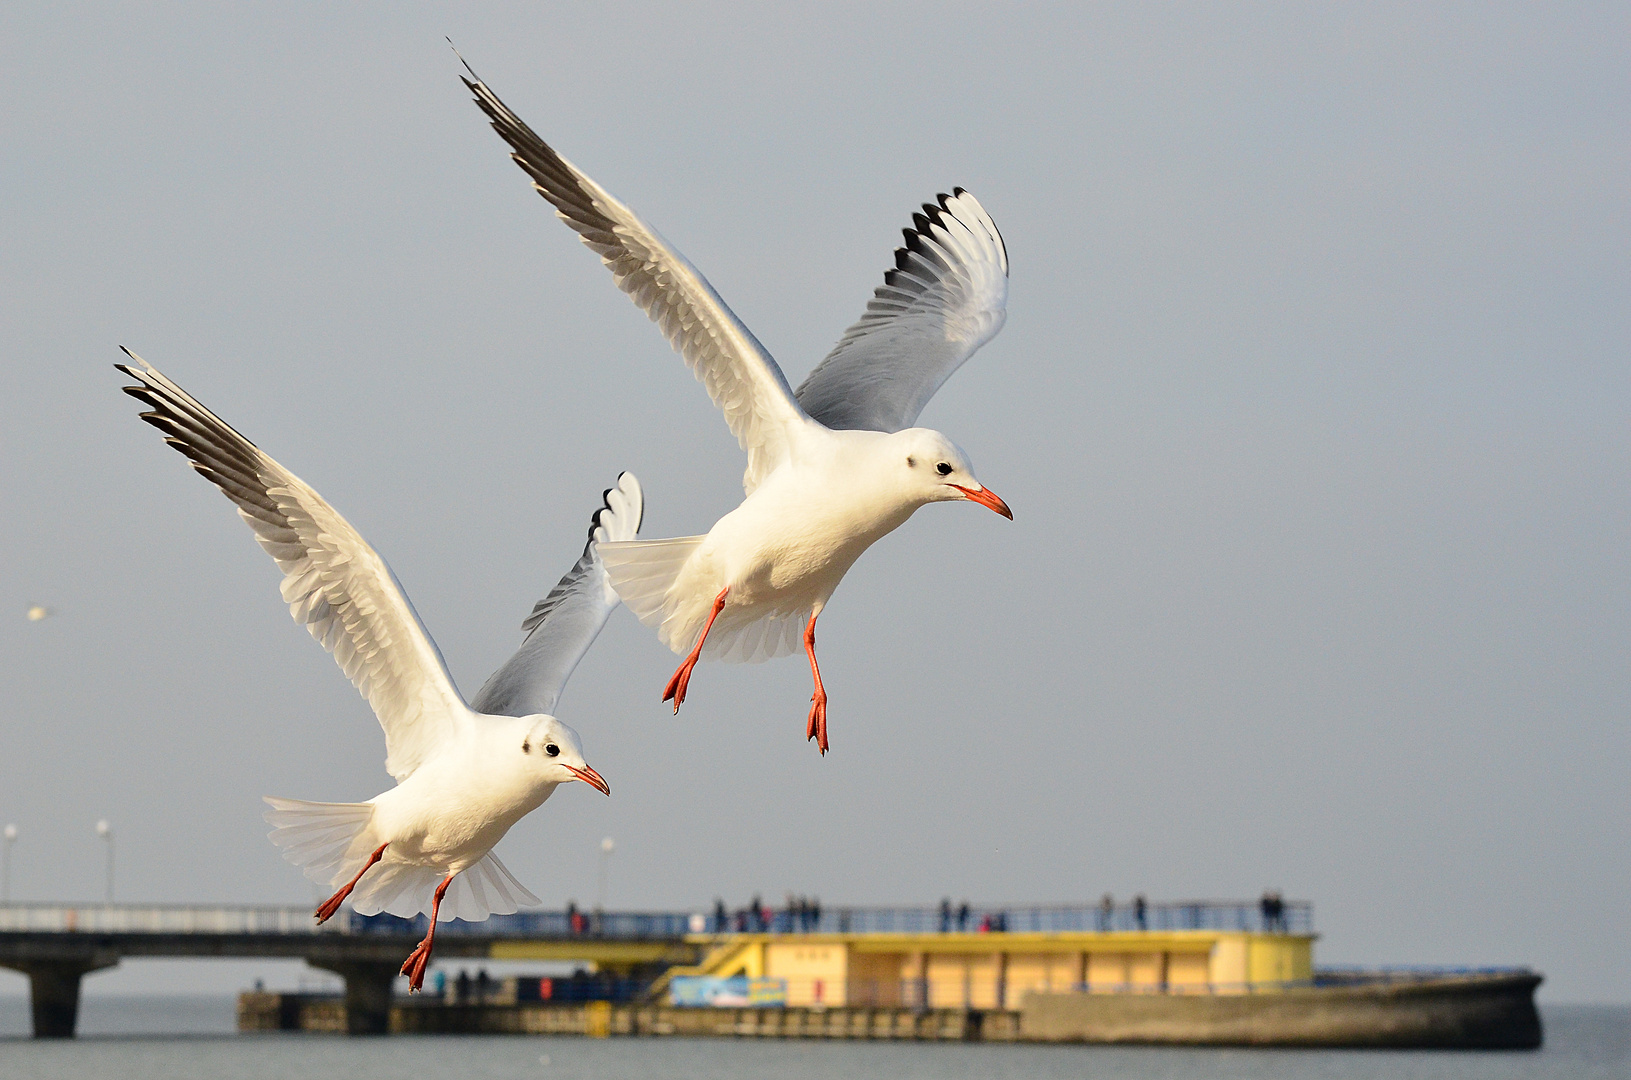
x=136, y=1039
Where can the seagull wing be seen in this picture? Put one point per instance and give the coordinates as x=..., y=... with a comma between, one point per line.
x=565, y=623
x=333, y=581
x=740, y=375
x=946, y=296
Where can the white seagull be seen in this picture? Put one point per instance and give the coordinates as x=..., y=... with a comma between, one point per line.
x=832, y=468
x=464, y=773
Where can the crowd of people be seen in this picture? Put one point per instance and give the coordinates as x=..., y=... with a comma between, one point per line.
x=800, y=913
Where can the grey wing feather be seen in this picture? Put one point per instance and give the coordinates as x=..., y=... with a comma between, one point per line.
x=946, y=296
x=565, y=623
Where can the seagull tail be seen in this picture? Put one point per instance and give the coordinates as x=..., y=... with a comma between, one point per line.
x=643, y=572
x=487, y=888
x=332, y=841
x=328, y=841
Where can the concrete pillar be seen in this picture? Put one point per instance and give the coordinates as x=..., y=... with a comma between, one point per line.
x=53, y=993
x=368, y=986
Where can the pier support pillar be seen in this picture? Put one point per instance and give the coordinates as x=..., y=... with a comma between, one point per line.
x=368, y=986
x=53, y=994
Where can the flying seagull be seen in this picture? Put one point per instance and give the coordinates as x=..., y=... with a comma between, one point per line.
x=464, y=773
x=831, y=468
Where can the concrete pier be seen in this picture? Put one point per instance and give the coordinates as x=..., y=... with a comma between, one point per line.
x=311, y=1012
x=1464, y=1012
x=53, y=993
x=1461, y=1012
x=1204, y=971
x=368, y=991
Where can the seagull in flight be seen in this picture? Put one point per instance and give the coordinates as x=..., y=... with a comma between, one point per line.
x=464, y=772
x=833, y=467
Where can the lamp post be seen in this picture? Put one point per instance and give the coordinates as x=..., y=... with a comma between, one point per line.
x=105, y=831
x=607, y=846
x=10, y=836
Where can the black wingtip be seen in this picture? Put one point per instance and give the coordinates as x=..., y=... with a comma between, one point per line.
x=463, y=61
x=606, y=506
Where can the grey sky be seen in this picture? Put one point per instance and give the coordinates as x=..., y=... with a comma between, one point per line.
x=1311, y=407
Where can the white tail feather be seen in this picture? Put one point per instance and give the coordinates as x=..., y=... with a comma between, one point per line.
x=644, y=571
x=330, y=842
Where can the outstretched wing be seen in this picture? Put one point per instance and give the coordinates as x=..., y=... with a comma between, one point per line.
x=740, y=375
x=565, y=623
x=334, y=583
x=946, y=296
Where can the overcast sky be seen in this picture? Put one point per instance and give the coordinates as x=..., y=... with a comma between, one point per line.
x=1311, y=407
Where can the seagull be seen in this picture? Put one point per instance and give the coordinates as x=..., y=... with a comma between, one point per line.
x=833, y=467
x=464, y=772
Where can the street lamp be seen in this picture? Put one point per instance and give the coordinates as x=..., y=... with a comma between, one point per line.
x=10, y=835
x=607, y=846
x=105, y=831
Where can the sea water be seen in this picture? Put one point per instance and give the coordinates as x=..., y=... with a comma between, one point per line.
x=193, y=1037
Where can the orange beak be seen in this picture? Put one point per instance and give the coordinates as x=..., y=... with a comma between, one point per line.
x=986, y=497
x=590, y=777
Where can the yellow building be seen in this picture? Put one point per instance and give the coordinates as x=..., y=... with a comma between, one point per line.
x=994, y=970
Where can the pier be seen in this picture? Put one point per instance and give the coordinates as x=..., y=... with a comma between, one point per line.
x=57, y=945
x=1214, y=972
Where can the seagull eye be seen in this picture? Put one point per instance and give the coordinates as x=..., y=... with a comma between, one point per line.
x=911, y=462
x=552, y=750
x=944, y=468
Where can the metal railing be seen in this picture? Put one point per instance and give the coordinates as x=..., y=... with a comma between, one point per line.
x=1292, y=917
x=159, y=919
x=1295, y=917
x=614, y=925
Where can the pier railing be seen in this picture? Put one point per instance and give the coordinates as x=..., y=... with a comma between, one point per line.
x=1293, y=917
x=1290, y=917
x=160, y=919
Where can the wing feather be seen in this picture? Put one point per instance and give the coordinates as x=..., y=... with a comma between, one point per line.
x=565, y=623
x=334, y=583
x=946, y=296
x=741, y=377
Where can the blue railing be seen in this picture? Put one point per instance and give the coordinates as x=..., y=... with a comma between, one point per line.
x=1292, y=917
x=617, y=925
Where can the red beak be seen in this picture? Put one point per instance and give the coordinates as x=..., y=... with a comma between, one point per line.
x=986, y=497
x=590, y=777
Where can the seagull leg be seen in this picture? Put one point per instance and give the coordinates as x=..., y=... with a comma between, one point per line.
x=817, y=727
x=414, y=966
x=332, y=904
x=682, y=675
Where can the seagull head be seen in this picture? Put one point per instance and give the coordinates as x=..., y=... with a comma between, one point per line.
x=935, y=469
x=558, y=753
